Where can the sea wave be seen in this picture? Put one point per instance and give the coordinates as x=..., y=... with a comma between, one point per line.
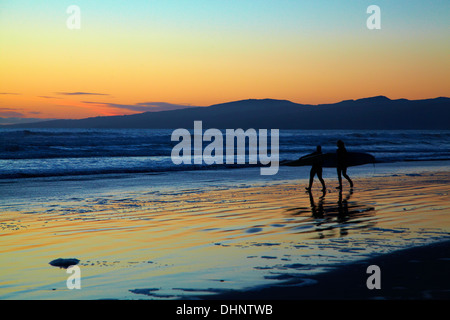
x=60, y=152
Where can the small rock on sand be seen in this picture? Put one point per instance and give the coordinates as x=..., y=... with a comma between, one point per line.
x=64, y=263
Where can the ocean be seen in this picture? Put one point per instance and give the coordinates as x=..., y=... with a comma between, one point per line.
x=68, y=152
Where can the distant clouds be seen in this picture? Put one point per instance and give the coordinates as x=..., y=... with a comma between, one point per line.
x=138, y=107
x=49, y=97
x=13, y=116
x=143, y=106
x=82, y=93
x=9, y=112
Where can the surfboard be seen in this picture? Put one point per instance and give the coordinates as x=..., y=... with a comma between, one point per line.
x=329, y=160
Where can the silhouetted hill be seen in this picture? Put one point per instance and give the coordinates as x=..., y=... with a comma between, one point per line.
x=368, y=113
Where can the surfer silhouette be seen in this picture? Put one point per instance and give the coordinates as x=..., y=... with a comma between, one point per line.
x=342, y=164
x=316, y=168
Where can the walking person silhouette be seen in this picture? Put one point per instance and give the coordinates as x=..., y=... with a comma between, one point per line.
x=342, y=164
x=316, y=168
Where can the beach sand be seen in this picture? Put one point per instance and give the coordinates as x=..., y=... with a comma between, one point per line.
x=138, y=240
x=420, y=273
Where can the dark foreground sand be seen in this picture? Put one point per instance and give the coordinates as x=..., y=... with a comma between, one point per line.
x=417, y=273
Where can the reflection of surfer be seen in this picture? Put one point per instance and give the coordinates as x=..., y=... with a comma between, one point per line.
x=317, y=210
x=316, y=168
x=342, y=164
x=344, y=214
x=343, y=204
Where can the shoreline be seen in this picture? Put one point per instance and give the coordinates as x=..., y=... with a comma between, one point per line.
x=418, y=273
x=205, y=169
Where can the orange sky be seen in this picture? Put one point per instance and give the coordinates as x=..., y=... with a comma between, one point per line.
x=205, y=54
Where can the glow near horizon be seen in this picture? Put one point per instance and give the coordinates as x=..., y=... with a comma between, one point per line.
x=207, y=52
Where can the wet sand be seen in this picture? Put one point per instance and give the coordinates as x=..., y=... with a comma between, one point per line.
x=420, y=273
x=136, y=240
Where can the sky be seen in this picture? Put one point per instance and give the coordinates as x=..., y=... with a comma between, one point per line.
x=135, y=56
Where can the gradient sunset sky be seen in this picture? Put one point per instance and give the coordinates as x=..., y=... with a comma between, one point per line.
x=130, y=56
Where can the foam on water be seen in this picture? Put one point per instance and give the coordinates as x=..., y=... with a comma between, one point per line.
x=62, y=152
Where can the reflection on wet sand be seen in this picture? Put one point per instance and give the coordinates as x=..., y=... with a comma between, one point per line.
x=327, y=215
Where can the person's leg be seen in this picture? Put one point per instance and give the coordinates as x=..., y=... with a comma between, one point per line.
x=319, y=175
x=339, y=178
x=311, y=178
x=344, y=173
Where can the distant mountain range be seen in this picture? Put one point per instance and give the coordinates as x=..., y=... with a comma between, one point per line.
x=369, y=113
